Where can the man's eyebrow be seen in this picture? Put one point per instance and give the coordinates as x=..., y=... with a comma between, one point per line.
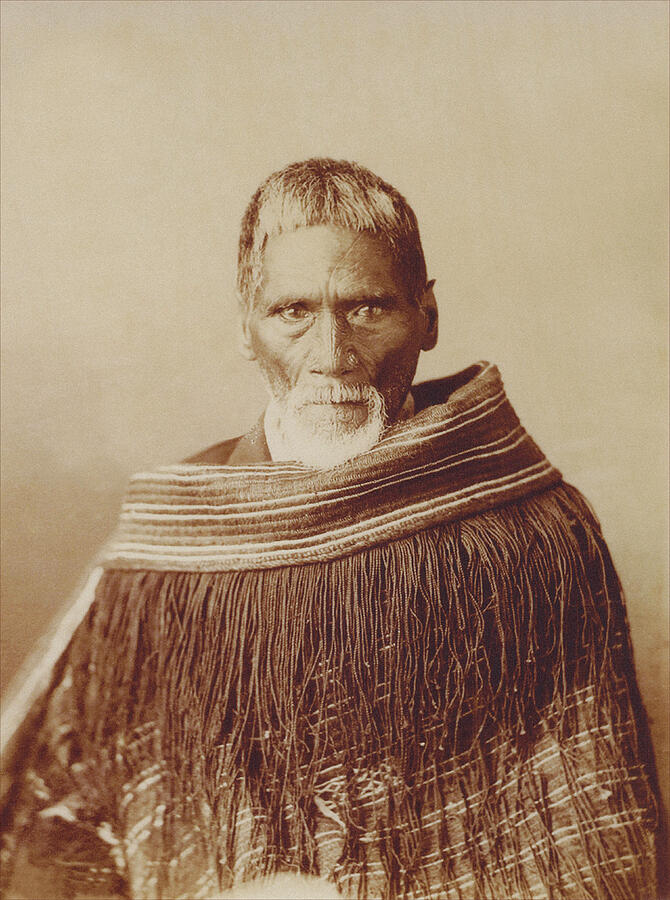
x=386, y=297
x=366, y=296
x=288, y=299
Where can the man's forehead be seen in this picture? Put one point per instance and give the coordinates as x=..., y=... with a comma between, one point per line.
x=305, y=259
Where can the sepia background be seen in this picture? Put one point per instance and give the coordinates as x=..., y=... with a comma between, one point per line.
x=530, y=138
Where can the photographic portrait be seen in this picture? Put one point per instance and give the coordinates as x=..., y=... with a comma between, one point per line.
x=249, y=248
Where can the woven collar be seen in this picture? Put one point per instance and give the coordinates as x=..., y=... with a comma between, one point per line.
x=462, y=453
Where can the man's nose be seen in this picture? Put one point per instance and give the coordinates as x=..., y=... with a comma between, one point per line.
x=332, y=352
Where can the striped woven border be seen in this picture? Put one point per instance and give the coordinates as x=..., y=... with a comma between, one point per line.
x=463, y=456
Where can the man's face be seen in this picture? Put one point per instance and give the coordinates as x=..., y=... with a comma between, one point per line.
x=332, y=311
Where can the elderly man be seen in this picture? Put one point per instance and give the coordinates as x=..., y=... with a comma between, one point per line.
x=376, y=640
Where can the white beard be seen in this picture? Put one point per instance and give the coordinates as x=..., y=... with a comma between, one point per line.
x=314, y=428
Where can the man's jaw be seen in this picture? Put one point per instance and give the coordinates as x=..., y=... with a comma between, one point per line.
x=324, y=426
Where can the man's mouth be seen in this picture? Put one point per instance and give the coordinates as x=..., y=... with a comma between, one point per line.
x=342, y=395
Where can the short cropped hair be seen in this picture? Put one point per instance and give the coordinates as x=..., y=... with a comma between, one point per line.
x=323, y=191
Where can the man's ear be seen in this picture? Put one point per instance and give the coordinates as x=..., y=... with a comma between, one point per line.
x=428, y=306
x=244, y=344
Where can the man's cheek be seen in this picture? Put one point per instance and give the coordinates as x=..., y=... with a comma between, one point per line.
x=274, y=375
x=373, y=354
x=390, y=363
x=395, y=378
x=288, y=368
x=385, y=347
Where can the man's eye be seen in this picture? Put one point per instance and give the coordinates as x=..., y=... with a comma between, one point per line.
x=293, y=313
x=369, y=311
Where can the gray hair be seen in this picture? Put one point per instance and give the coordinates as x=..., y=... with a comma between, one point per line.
x=329, y=192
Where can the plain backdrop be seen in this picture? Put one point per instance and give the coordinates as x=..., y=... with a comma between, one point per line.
x=530, y=139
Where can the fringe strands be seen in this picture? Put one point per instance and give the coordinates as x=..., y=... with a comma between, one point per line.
x=375, y=691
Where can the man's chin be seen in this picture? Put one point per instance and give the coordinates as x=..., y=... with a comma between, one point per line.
x=327, y=452
x=340, y=418
x=326, y=443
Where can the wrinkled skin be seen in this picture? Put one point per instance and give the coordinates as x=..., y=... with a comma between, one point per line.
x=332, y=308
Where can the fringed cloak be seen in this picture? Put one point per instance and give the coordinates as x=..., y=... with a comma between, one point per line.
x=410, y=674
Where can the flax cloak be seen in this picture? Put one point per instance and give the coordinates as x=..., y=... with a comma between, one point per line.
x=410, y=674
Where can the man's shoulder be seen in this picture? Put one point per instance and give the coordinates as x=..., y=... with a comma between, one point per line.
x=216, y=455
x=247, y=449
